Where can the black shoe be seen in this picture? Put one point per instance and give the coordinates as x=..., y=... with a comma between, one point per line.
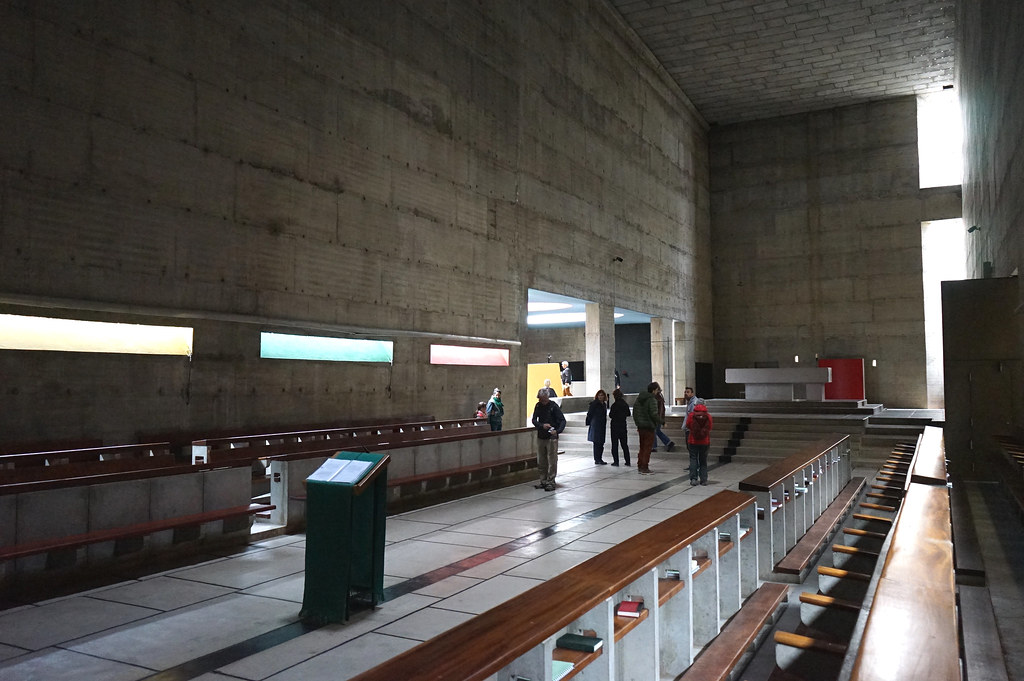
x=602, y=462
x=671, y=446
x=539, y=486
x=704, y=482
x=615, y=463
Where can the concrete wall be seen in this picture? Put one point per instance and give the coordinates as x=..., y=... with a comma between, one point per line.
x=990, y=45
x=397, y=169
x=817, y=242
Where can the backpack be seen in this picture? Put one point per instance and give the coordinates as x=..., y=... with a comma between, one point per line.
x=700, y=427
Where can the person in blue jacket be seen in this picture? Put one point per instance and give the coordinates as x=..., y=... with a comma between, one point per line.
x=597, y=419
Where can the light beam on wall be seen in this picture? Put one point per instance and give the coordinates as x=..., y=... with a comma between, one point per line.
x=462, y=355
x=21, y=332
x=324, y=348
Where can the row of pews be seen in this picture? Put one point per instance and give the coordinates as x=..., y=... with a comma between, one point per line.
x=699, y=574
x=89, y=504
x=887, y=606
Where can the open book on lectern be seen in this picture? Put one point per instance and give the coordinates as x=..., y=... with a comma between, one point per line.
x=341, y=470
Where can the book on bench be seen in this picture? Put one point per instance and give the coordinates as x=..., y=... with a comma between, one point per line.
x=586, y=644
x=630, y=608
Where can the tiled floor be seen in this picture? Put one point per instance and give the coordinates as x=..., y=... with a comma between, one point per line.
x=237, y=616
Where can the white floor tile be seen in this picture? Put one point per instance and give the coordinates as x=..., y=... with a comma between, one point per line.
x=550, y=564
x=347, y=660
x=413, y=557
x=249, y=569
x=195, y=631
x=488, y=594
x=54, y=664
x=493, y=567
x=449, y=586
x=288, y=588
x=161, y=593
x=65, y=620
x=425, y=624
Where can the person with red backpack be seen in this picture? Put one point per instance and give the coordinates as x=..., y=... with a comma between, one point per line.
x=698, y=440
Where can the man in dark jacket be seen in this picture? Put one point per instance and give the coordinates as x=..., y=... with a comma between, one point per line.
x=645, y=415
x=549, y=422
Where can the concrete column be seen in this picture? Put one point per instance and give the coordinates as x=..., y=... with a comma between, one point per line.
x=600, y=339
x=682, y=362
x=661, y=355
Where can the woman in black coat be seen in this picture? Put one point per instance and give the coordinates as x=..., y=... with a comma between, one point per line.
x=597, y=419
x=619, y=413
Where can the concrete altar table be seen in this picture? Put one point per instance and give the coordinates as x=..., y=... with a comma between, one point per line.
x=779, y=384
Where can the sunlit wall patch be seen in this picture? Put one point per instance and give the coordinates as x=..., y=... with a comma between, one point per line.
x=324, y=348
x=21, y=332
x=463, y=355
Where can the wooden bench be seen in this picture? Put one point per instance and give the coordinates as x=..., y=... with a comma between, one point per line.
x=792, y=494
x=127, y=532
x=63, y=457
x=798, y=561
x=739, y=637
x=517, y=637
x=911, y=601
x=354, y=438
x=85, y=469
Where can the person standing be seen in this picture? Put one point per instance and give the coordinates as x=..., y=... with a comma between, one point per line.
x=618, y=415
x=566, y=380
x=690, y=399
x=597, y=419
x=549, y=422
x=548, y=389
x=495, y=410
x=665, y=440
x=698, y=440
x=645, y=415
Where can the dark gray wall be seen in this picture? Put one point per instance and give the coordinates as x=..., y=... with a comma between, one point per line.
x=633, y=356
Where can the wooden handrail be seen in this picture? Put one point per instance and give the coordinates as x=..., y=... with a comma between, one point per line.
x=775, y=474
x=340, y=433
x=82, y=454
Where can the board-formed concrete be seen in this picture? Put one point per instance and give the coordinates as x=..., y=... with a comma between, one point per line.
x=393, y=170
x=817, y=236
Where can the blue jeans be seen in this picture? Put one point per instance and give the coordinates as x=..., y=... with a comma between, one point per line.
x=665, y=439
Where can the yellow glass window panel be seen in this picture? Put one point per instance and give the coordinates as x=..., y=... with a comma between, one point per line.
x=18, y=332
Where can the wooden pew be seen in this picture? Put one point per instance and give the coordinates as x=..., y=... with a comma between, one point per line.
x=126, y=532
x=517, y=637
x=63, y=457
x=352, y=438
x=739, y=637
x=911, y=604
x=793, y=495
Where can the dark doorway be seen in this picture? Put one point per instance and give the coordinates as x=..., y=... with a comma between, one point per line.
x=704, y=377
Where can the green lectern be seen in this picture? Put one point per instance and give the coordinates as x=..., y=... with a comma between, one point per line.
x=345, y=515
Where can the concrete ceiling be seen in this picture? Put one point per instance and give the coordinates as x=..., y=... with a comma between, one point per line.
x=742, y=60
